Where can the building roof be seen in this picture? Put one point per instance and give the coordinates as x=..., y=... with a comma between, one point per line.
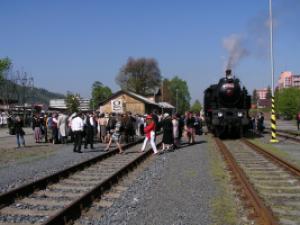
x=166, y=105
x=140, y=98
x=131, y=94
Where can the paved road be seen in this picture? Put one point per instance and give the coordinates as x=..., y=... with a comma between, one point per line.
x=4, y=131
x=9, y=141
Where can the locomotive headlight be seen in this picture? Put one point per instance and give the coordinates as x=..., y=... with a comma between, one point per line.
x=220, y=114
x=240, y=114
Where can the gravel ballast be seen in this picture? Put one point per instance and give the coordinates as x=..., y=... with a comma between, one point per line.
x=176, y=189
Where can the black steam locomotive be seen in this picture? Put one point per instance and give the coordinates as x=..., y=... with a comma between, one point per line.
x=226, y=107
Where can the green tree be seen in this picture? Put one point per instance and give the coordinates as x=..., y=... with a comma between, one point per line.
x=166, y=95
x=99, y=94
x=287, y=102
x=141, y=76
x=178, y=88
x=72, y=102
x=196, y=107
x=5, y=64
x=254, y=97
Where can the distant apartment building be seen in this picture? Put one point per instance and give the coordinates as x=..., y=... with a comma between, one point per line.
x=288, y=79
x=262, y=100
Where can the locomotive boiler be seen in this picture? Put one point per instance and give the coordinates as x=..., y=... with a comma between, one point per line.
x=226, y=107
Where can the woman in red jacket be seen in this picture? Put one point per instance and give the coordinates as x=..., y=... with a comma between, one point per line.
x=150, y=134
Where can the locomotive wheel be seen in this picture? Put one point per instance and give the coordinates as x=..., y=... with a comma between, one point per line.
x=217, y=132
x=241, y=131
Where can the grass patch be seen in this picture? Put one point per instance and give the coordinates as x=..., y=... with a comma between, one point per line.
x=278, y=152
x=223, y=205
x=270, y=148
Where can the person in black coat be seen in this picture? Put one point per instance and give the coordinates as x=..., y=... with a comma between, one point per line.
x=129, y=123
x=168, y=138
x=260, y=123
x=89, y=131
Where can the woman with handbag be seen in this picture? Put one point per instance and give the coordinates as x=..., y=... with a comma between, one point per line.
x=18, y=126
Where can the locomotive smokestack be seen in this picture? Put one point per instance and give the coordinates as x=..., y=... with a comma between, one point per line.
x=228, y=74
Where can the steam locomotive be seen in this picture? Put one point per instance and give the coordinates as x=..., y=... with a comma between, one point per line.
x=226, y=107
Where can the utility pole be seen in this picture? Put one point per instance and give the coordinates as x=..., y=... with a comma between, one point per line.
x=273, y=115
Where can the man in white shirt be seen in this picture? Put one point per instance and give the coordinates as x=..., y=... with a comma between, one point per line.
x=77, y=128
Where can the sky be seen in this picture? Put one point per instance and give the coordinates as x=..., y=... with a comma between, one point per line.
x=67, y=45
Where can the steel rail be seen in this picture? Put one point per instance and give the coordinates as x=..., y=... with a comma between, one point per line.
x=27, y=189
x=263, y=215
x=73, y=211
x=288, y=135
x=289, y=132
x=287, y=165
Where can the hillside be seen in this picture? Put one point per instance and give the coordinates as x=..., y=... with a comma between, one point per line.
x=41, y=95
x=12, y=91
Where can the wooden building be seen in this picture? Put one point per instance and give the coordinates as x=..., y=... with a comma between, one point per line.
x=124, y=101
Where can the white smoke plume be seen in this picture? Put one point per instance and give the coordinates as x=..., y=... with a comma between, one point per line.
x=236, y=49
x=257, y=32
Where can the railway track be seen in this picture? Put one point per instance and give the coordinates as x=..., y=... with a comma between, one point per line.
x=61, y=197
x=286, y=135
x=270, y=185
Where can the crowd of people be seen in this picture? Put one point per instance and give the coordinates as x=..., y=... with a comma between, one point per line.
x=108, y=128
x=86, y=128
x=257, y=123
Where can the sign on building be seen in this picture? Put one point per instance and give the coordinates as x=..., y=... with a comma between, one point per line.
x=117, y=105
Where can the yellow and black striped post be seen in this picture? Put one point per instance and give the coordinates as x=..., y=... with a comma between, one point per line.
x=273, y=122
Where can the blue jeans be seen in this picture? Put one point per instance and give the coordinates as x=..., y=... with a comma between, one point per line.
x=19, y=136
